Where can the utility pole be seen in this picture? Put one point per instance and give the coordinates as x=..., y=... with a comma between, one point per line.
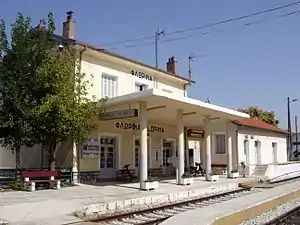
x=157, y=35
x=296, y=130
x=289, y=127
x=290, y=141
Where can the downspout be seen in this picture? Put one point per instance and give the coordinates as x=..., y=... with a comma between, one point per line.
x=79, y=144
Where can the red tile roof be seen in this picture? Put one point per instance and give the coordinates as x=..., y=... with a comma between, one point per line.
x=258, y=124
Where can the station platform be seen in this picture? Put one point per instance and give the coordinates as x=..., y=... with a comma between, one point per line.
x=236, y=210
x=57, y=207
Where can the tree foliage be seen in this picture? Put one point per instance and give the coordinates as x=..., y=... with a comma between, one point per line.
x=258, y=113
x=43, y=92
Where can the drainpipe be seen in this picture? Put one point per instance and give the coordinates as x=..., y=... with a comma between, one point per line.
x=79, y=144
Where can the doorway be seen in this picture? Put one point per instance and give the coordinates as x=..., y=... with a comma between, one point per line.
x=167, y=153
x=274, y=150
x=137, y=152
x=257, y=147
x=108, y=157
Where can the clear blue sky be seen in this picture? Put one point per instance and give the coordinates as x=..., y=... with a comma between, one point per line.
x=244, y=65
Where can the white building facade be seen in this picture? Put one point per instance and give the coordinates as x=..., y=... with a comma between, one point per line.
x=149, y=119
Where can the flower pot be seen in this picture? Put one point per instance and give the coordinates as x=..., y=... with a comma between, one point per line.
x=212, y=177
x=234, y=175
x=187, y=181
x=149, y=185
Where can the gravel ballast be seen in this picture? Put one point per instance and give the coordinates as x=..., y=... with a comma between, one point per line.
x=272, y=214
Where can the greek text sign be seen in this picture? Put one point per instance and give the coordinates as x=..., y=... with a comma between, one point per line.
x=91, y=148
x=126, y=113
x=195, y=133
x=141, y=75
x=135, y=126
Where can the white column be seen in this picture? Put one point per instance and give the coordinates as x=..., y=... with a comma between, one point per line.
x=143, y=143
x=180, y=133
x=229, y=153
x=208, y=154
x=75, y=163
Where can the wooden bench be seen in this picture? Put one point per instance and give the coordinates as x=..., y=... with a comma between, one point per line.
x=155, y=172
x=30, y=178
x=220, y=167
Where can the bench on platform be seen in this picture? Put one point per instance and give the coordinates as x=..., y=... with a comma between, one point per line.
x=155, y=172
x=30, y=178
x=220, y=167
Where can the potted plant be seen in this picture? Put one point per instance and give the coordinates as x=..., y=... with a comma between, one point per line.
x=213, y=176
x=150, y=184
x=234, y=174
x=187, y=178
x=243, y=168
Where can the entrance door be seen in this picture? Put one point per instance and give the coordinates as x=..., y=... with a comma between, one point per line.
x=257, y=145
x=137, y=149
x=167, y=153
x=274, y=148
x=108, y=157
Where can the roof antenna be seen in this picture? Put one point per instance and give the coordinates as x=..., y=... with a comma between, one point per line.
x=191, y=57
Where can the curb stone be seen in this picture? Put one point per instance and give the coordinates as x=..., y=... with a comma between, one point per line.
x=119, y=206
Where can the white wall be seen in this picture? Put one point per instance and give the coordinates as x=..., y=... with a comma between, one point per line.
x=29, y=157
x=94, y=68
x=266, y=138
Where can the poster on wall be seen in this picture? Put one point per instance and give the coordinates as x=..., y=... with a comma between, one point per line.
x=90, y=148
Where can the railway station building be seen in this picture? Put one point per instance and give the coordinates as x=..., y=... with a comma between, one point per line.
x=149, y=119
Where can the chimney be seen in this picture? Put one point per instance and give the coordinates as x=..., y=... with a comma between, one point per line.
x=69, y=26
x=171, y=65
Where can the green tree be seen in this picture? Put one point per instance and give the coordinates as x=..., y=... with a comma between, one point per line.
x=44, y=94
x=15, y=73
x=258, y=113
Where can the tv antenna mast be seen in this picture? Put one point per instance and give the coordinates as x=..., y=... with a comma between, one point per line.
x=191, y=57
x=158, y=33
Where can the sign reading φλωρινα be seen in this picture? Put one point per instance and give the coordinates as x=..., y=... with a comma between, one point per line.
x=140, y=74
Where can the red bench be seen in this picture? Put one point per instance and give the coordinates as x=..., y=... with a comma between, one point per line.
x=30, y=178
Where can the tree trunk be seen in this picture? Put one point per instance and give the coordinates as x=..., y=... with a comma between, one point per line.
x=52, y=160
x=17, y=157
x=17, y=151
x=42, y=157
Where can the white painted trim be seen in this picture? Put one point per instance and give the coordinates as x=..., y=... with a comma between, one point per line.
x=149, y=140
x=144, y=95
x=118, y=150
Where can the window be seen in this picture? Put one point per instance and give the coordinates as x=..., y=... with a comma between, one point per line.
x=138, y=87
x=220, y=144
x=246, y=146
x=109, y=86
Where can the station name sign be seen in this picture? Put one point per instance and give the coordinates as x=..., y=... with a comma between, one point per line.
x=120, y=114
x=195, y=133
x=134, y=126
x=142, y=75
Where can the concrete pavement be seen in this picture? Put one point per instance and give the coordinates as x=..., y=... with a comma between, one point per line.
x=47, y=207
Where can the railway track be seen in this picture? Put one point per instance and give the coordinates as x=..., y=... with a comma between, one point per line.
x=156, y=215
x=292, y=217
x=159, y=214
